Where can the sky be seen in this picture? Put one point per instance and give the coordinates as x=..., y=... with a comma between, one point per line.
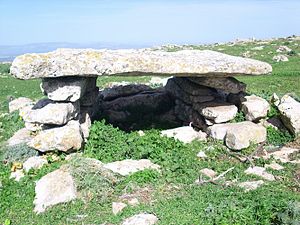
x=145, y=22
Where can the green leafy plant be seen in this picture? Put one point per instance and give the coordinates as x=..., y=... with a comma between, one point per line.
x=277, y=136
x=240, y=117
x=291, y=215
x=16, y=153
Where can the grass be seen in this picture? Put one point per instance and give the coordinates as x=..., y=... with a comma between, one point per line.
x=174, y=197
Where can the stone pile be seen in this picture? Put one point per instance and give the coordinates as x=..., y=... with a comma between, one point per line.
x=201, y=93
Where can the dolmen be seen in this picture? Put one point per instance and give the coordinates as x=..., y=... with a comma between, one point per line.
x=201, y=92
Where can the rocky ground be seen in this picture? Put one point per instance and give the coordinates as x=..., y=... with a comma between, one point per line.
x=228, y=175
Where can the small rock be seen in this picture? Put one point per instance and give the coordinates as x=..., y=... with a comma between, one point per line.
x=275, y=99
x=130, y=166
x=258, y=48
x=66, y=138
x=19, y=103
x=208, y=172
x=283, y=154
x=251, y=185
x=21, y=136
x=133, y=202
x=35, y=162
x=280, y=58
x=17, y=175
x=283, y=49
x=201, y=154
x=185, y=134
x=141, y=219
x=117, y=207
x=261, y=172
x=85, y=123
x=54, y=188
x=255, y=107
x=289, y=110
x=141, y=133
x=274, y=166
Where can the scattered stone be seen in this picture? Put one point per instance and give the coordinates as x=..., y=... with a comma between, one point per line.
x=141, y=219
x=201, y=154
x=34, y=162
x=141, y=133
x=85, y=123
x=21, y=136
x=49, y=112
x=66, y=88
x=283, y=154
x=251, y=185
x=90, y=63
x=19, y=103
x=289, y=110
x=258, y=48
x=217, y=112
x=17, y=175
x=66, y=138
x=255, y=107
x=117, y=207
x=274, y=166
x=283, y=49
x=226, y=84
x=129, y=166
x=185, y=134
x=280, y=58
x=54, y=188
x=133, y=202
x=208, y=172
x=261, y=172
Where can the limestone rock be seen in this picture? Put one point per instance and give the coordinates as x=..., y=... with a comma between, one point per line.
x=226, y=84
x=54, y=188
x=217, y=112
x=66, y=138
x=274, y=166
x=185, y=134
x=123, y=91
x=251, y=185
x=17, y=175
x=117, y=207
x=129, y=166
x=201, y=155
x=141, y=219
x=67, y=88
x=261, y=172
x=21, y=136
x=280, y=58
x=283, y=154
x=89, y=63
x=19, y=103
x=49, y=112
x=255, y=107
x=289, y=110
x=34, y=162
x=85, y=123
x=283, y=49
x=208, y=172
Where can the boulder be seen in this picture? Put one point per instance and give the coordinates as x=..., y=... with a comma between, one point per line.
x=226, y=84
x=255, y=107
x=283, y=48
x=217, y=112
x=21, y=136
x=280, y=58
x=289, y=110
x=261, y=172
x=141, y=219
x=54, y=188
x=90, y=63
x=34, y=162
x=283, y=154
x=185, y=134
x=19, y=103
x=251, y=185
x=49, y=112
x=65, y=138
x=67, y=88
x=129, y=166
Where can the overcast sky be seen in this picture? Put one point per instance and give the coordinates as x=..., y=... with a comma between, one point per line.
x=145, y=22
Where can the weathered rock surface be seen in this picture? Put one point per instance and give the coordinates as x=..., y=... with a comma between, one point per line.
x=66, y=138
x=283, y=154
x=88, y=62
x=208, y=172
x=274, y=166
x=141, y=219
x=217, y=112
x=117, y=207
x=67, y=88
x=21, y=136
x=49, y=112
x=289, y=110
x=280, y=58
x=17, y=175
x=185, y=134
x=238, y=135
x=261, y=172
x=19, y=103
x=54, y=188
x=34, y=162
x=130, y=166
x=251, y=185
x=226, y=84
x=255, y=107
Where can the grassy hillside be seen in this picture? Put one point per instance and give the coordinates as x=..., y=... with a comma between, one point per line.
x=172, y=194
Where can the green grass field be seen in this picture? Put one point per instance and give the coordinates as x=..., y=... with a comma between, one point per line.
x=172, y=194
